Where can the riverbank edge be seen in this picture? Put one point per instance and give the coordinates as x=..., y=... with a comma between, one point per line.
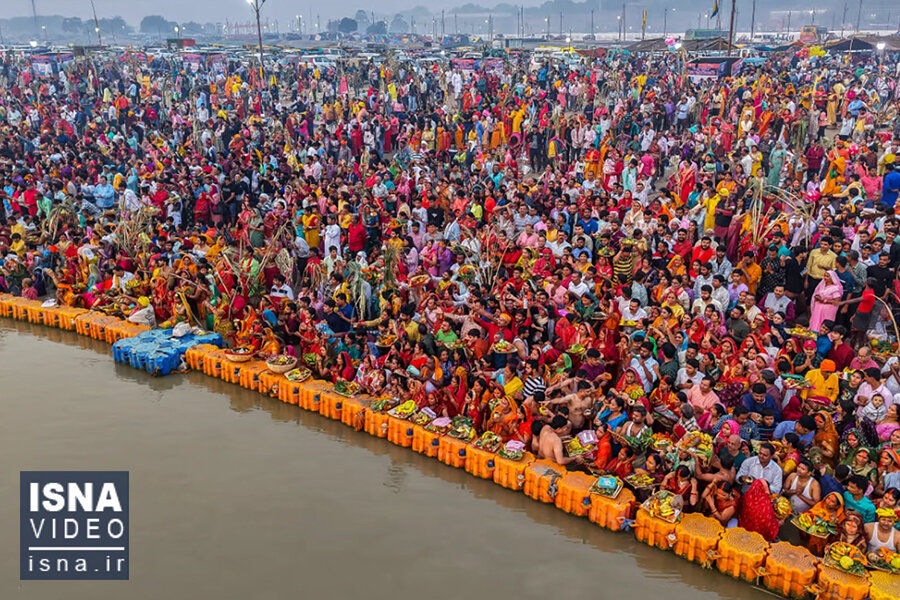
x=782, y=568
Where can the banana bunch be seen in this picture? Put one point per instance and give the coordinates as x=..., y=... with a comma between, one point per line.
x=660, y=505
x=696, y=441
x=642, y=480
x=847, y=556
x=782, y=506
x=406, y=409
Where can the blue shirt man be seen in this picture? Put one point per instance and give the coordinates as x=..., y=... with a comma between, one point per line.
x=757, y=400
x=890, y=188
x=801, y=428
x=104, y=194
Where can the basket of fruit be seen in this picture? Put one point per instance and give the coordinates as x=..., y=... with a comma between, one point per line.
x=281, y=363
x=386, y=341
x=796, y=382
x=462, y=428
x=503, y=347
x=489, y=441
x=346, y=388
x=640, y=481
x=419, y=280
x=404, y=410
x=847, y=558
x=467, y=273
x=239, y=355
x=576, y=350
x=801, y=332
x=297, y=375
x=664, y=505
x=883, y=349
x=513, y=450
x=440, y=425
x=884, y=559
x=661, y=441
x=384, y=404
x=423, y=417
x=814, y=526
x=781, y=506
x=697, y=443
x=606, y=485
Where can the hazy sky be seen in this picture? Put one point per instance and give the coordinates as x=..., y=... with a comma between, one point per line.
x=206, y=10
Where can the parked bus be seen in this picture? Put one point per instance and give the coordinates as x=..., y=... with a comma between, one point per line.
x=811, y=34
x=703, y=34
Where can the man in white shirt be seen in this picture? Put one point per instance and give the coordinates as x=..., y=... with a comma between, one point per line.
x=633, y=312
x=689, y=375
x=761, y=466
x=280, y=289
x=720, y=292
x=646, y=366
x=576, y=286
x=705, y=299
x=559, y=246
x=121, y=277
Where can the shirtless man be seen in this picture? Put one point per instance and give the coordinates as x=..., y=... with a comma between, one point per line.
x=636, y=425
x=881, y=534
x=577, y=402
x=548, y=444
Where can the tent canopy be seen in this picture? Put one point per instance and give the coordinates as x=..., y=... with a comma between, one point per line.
x=864, y=43
x=659, y=45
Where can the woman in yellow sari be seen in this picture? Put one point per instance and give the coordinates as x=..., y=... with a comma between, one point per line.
x=676, y=266
x=835, y=176
x=670, y=315
x=216, y=248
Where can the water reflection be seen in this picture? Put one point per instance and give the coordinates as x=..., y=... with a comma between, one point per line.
x=405, y=474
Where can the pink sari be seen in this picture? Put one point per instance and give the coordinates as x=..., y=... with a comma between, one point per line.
x=830, y=288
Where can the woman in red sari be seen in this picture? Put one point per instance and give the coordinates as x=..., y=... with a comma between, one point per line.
x=755, y=511
x=456, y=393
x=608, y=335
x=474, y=404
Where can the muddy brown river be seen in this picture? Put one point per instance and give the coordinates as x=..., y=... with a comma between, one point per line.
x=236, y=496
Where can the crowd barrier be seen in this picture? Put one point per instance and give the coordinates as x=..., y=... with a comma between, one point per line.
x=782, y=568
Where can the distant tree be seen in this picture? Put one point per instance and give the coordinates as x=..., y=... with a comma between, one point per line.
x=362, y=20
x=379, y=28
x=156, y=24
x=71, y=24
x=348, y=25
x=399, y=24
x=192, y=27
x=113, y=25
x=332, y=25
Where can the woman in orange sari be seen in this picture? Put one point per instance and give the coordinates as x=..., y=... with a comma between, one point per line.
x=827, y=438
x=504, y=419
x=831, y=510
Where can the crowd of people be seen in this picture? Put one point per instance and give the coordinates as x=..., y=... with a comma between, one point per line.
x=536, y=252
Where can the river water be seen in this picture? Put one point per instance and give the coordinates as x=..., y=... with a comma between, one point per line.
x=236, y=496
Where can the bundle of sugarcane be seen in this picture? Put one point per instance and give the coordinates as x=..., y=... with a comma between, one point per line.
x=59, y=214
x=357, y=290
x=392, y=257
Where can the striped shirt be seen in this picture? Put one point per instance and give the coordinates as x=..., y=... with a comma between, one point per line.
x=533, y=385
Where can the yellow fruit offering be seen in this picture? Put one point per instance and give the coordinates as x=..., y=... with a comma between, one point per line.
x=846, y=562
x=895, y=562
